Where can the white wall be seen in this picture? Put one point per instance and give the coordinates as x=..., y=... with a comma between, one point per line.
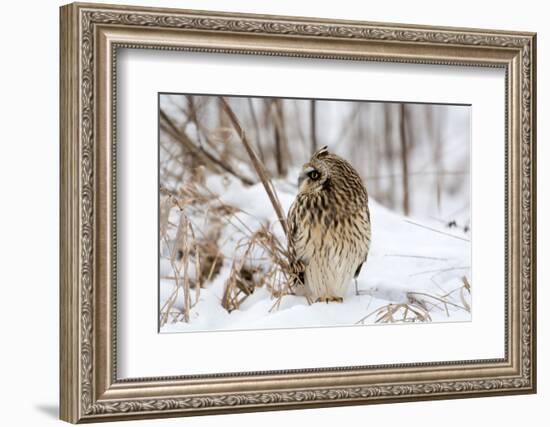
x=29, y=213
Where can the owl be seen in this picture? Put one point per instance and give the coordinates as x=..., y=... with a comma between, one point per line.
x=329, y=230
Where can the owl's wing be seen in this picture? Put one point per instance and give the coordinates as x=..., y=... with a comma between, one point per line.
x=293, y=230
x=368, y=245
x=368, y=237
x=296, y=238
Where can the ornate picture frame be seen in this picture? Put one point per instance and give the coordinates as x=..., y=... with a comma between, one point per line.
x=90, y=37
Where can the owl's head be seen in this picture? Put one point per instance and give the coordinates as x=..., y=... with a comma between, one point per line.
x=315, y=174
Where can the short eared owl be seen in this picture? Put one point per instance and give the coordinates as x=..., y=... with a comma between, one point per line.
x=328, y=226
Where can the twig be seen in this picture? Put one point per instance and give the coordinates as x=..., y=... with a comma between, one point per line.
x=436, y=230
x=439, y=270
x=417, y=256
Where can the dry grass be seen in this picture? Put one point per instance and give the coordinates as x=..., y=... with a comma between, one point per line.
x=404, y=312
x=179, y=261
x=419, y=305
x=260, y=258
x=246, y=275
x=194, y=258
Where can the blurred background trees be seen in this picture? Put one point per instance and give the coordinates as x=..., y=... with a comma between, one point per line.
x=414, y=158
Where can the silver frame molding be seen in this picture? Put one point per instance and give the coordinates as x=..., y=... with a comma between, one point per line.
x=90, y=37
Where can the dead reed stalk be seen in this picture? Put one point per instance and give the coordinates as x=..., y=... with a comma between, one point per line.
x=258, y=165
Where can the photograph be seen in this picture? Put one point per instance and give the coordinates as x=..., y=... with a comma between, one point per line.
x=292, y=213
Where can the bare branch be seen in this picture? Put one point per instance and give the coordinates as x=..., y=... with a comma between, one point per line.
x=313, y=126
x=200, y=151
x=257, y=128
x=404, y=158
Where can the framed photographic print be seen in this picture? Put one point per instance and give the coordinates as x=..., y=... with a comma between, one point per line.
x=266, y=212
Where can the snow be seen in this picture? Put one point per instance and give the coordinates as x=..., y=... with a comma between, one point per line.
x=422, y=258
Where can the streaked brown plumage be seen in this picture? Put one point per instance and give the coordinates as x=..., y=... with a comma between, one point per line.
x=329, y=227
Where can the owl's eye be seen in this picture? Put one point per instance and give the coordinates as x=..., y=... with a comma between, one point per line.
x=314, y=175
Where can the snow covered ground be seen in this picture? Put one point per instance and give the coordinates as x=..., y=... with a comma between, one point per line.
x=422, y=264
